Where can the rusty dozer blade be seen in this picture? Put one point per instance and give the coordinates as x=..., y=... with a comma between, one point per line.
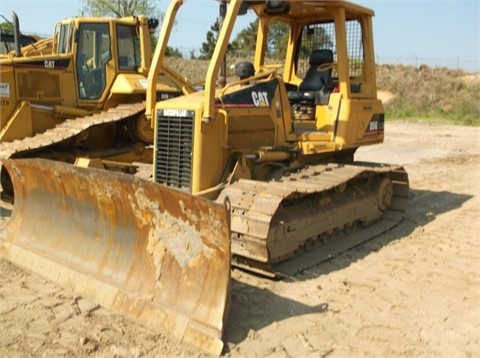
x=155, y=255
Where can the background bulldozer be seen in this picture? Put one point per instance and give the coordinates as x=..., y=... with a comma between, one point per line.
x=275, y=146
x=92, y=72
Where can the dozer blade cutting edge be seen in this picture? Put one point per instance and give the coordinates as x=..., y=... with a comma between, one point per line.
x=155, y=255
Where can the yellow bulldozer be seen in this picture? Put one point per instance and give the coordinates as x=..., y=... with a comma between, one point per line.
x=81, y=93
x=259, y=174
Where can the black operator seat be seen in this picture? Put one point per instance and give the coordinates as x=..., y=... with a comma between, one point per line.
x=316, y=85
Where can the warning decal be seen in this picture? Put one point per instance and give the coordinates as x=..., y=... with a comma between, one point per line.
x=4, y=89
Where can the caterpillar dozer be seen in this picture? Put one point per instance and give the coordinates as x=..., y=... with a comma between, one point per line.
x=270, y=155
x=81, y=93
x=279, y=141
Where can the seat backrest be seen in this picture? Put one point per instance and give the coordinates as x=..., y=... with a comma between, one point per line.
x=315, y=80
x=123, y=62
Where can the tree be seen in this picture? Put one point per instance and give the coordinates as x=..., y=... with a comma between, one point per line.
x=6, y=28
x=207, y=48
x=315, y=37
x=119, y=8
x=246, y=40
x=173, y=52
x=277, y=39
x=278, y=32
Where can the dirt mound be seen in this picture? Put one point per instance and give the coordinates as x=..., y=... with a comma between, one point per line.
x=385, y=96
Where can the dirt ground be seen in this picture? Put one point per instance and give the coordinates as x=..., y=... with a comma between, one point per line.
x=413, y=291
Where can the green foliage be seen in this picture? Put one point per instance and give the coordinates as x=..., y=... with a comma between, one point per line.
x=173, y=52
x=245, y=41
x=6, y=28
x=170, y=51
x=318, y=36
x=119, y=8
x=277, y=40
x=208, y=46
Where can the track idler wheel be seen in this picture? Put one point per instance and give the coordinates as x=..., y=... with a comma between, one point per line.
x=143, y=129
x=384, y=193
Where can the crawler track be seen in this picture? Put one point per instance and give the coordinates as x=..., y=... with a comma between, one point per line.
x=64, y=132
x=325, y=209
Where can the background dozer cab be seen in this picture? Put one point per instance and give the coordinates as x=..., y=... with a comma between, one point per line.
x=92, y=71
x=275, y=145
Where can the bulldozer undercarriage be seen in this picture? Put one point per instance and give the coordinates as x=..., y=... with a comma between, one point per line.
x=70, y=139
x=310, y=212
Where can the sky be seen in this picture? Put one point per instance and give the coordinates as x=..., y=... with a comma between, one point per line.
x=431, y=32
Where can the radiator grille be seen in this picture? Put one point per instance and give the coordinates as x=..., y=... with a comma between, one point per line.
x=173, y=164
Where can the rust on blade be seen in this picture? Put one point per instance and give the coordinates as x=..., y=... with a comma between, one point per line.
x=156, y=255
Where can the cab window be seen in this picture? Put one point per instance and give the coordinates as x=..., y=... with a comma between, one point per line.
x=93, y=54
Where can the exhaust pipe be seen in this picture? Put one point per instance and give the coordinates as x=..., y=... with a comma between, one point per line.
x=16, y=34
